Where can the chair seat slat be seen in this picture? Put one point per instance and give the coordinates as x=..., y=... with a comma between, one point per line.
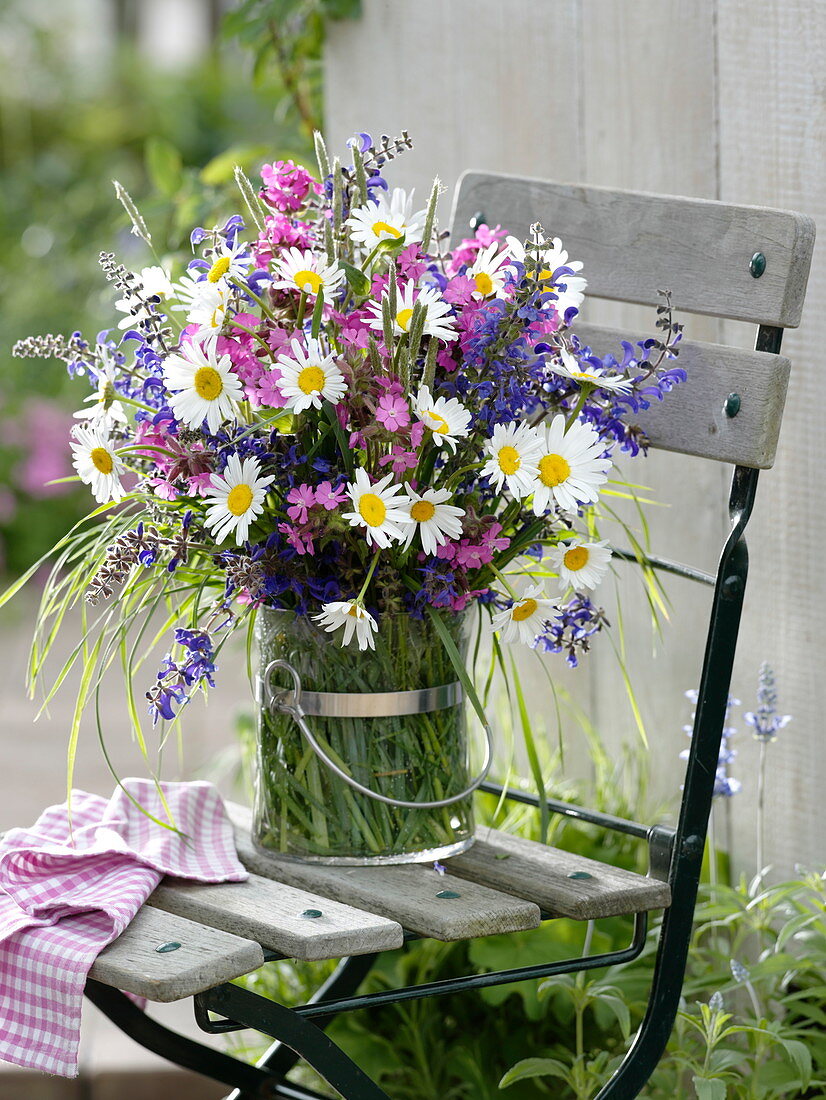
x=692, y=418
x=634, y=244
x=562, y=883
x=280, y=917
x=205, y=957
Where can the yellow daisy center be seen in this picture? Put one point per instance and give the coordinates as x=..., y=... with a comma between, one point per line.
x=218, y=269
x=383, y=227
x=524, y=610
x=509, y=460
x=403, y=319
x=442, y=426
x=208, y=383
x=239, y=499
x=484, y=283
x=308, y=280
x=102, y=460
x=372, y=509
x=553, y=470
x=353, y=610
x=576, y=558
x=311, y=380
x=546, y=273
x=422, y=511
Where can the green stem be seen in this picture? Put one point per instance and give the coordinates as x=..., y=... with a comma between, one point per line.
x=257, y=297
x=585, y=389
x=369, y=576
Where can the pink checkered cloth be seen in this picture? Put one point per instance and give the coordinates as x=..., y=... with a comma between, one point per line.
x=63, y=900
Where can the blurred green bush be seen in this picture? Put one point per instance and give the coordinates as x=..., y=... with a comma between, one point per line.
x=73, y=117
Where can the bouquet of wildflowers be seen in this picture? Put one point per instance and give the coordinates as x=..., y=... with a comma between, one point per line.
x=333, y=412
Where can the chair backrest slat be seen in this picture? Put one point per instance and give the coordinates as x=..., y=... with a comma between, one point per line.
x=692, y=418
x=634, y=244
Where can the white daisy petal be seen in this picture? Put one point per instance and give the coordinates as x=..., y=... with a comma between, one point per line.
x=434, y=519
x=580, y=564
x=446, y=417
x=202, y=384
x=236, y=499
x=569, y=289
x=97, y=464
x=309, y=377
x=489, y=272
x=570, y=467
x=569, y=367
x=526, y=618
x=307, y=273
x=513, y=450
x=384, y=219
x=353, y=617
x=377, y=509
x=438, y=313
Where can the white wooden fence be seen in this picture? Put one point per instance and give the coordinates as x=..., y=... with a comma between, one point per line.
x=714, y=98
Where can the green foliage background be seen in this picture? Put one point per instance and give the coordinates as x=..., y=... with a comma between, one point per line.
x=71, y=121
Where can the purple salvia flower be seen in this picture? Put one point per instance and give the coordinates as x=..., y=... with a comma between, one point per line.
x=765, y=721
x=725, y=786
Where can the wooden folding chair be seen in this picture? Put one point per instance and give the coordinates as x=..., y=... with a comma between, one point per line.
x=735, y=262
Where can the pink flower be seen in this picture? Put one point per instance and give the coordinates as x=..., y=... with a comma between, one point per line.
x=466, y=252
x=281, y=232
x=267, y=392
x=356, y=442
x=329, y=497
x=200, y=484
x=302, y=543
x=459, y=291
x=400, y=459
x=163, y=489
x=417, y=434
x=302, y=497
x=393, y=412
x=286, y=185
x=411, y=262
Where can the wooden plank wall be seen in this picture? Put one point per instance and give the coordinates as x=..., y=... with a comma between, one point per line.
x=712, y=98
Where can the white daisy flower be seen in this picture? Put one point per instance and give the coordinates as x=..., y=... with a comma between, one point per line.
x=570, y=466
x=446, y=417
x=205, y=303
x=307, y=272
x=550, y=260
x=228, y=262
x=434, y=519
x=525, y=619
x=386, y=220
x=206, y=387
x=235, y=498
x=377, y=509
x=154, y=282
x=97, y=464
x=309, y=377
x=571, y=368
x=489, y=271
x=353, y=618
x=513, y=450
x=581, y=564
x=438, y=313
x=105, y=410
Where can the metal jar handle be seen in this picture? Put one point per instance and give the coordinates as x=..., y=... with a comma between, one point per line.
x=282, y=702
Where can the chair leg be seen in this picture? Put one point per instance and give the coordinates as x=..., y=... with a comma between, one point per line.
x=302, y=1036
x=178, y=1049
x=343, y=982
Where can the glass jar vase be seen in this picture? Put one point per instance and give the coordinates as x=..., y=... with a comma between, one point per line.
x=349, y=739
